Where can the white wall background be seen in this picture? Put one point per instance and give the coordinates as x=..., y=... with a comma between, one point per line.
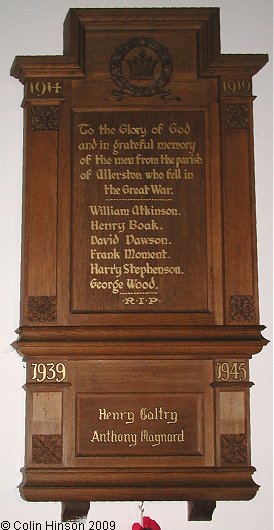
x=34, y=27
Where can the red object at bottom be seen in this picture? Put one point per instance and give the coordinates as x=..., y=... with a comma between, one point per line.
x=148, y=524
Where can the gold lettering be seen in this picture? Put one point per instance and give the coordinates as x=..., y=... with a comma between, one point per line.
x=231, y=370
x=155, y=439
x=116, y=227
x=105, y=129
x=175, y=146
x=102, y=159
x=143, y=190
x=112, y=270
x=158, y=413
x=154, y=175
x=97, y=254
x=144, y=210
x=104, y=145
x=44, y=88
x=158, y=189
x=111, y=436
x=142, y=271
x=48, y=372
x=164, y=156
x=142, y=160
x=126, y=416
x=110, y=240
x=137, y=225
x=231, y=86
x=141, y=285
x=108, y=174
x=127, y=128
x=124, y=160
x=109, y=211
x=174, y=128
x=132, y=145
x=109, y=189
x=87, y=146
x=173, y=174
x=131, y=239
x=131, y=253
x=85, y=128
x=86, y=175
x=113, y=286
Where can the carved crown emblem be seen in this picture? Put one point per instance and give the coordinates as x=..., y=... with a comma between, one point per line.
x=142, y=66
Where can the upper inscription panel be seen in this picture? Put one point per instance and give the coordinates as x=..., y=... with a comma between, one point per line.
x=139, y=168
x=139, y=211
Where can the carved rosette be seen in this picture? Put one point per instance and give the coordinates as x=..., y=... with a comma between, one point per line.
x=44, y=117
x=47, y=448
x=236, y=116
x=42, y=309
x=242, y=308
x=233, y=449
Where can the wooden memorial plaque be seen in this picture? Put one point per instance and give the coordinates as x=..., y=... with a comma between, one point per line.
x=139, y=274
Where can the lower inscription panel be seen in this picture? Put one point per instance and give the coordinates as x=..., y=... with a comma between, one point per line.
x=126, y=424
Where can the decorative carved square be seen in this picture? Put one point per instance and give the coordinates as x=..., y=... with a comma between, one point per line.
x=242, y=307
x=42, y=309
x=233, y=449
x=236, y=116
x=44, y=118
x=47, y=448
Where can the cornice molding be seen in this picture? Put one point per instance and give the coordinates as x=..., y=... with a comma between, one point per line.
x=206, y=21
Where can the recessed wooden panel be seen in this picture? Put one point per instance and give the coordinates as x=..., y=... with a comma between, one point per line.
x=163, y=376
x=238, y=216
x=41, y=212
x=232, y=413
x=101, y=46
x=47, y=413
x=139, y=212
x=151, y=424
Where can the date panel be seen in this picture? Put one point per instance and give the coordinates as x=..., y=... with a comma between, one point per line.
x=44, y=88
x=46, y=372
x=236, y=87
x=231, y=371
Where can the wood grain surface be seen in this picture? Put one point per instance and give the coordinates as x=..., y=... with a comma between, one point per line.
x=139, y=302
